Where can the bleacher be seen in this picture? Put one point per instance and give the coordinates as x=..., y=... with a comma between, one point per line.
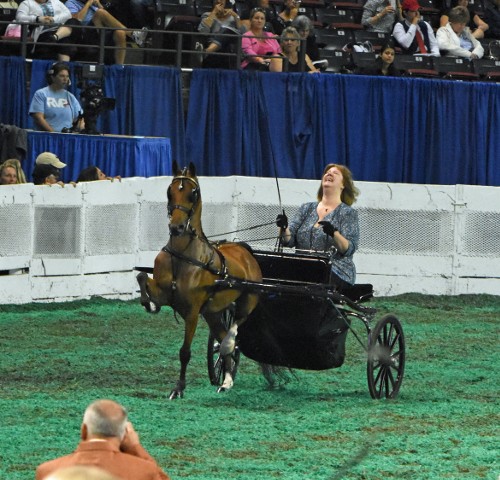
x=337, y=27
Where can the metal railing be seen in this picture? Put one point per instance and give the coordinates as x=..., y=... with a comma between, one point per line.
x=164, y=47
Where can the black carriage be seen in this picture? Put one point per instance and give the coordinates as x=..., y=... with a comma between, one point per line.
x=301, y=322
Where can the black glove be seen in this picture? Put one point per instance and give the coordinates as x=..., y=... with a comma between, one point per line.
x=282, y=220
x=328, y=228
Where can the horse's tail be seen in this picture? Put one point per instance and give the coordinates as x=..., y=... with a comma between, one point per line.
x=277, y=376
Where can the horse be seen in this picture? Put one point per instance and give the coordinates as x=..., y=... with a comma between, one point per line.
x=185, y=271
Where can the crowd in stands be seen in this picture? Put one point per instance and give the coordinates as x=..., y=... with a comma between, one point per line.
x=453, y=28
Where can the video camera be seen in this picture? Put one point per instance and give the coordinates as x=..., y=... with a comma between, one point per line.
x=92, y=96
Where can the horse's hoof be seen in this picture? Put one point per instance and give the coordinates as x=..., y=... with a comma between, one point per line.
x=222, y=390
x=175, y=394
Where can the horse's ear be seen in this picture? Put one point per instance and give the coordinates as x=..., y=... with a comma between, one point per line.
x=192, y=169
x=175, y=168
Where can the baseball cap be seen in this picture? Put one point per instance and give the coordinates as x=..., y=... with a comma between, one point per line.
x=48, y=158
x=412, y=5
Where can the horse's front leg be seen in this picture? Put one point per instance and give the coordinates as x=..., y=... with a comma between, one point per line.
x=148, y=301
x=184, y=356
x=226, y=350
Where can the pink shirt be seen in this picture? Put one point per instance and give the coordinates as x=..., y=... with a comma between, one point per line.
x=254, y=46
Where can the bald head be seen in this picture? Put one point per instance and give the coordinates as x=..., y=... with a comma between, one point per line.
x=105, y=419
x=81, y=473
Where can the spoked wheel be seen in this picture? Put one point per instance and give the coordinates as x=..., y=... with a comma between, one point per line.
x=386, y=358
x=215, y=363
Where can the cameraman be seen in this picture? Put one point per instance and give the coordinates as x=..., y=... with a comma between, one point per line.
x=53, y=107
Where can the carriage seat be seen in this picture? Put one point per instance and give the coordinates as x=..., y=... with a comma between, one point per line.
x=359, y=292
x=293, y=267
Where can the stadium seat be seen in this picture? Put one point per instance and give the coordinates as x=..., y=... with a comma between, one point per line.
x=363, y=61
x=377, y=39
x=416, y=66
x=454, y=68
x=339, y=18
x=488, y=69
x=7, y=15
x=338, y=61
x=351, y=5
x=334, y=39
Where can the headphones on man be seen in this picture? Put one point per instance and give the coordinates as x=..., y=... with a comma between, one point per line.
x=53, y=70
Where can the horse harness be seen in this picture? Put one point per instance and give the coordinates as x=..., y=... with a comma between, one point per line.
x=194, y=199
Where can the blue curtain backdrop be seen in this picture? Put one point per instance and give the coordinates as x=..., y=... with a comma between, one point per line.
x=148, y=101
x=384, y=129
x=13, y=88
x=262, y=124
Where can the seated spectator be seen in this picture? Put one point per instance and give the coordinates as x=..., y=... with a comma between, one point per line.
x=476, y=25
x=49, y=106
x=92, y=12
x=56, y=27
x=492, y=18
x=384, y=63
x=414, y=35
x=46, y=171
x=92, y=174
x=270, y=14
x=11, y=172
x=108, y=441
x=224, y=20
x=286, y=16
x=257, y=44
x=456, y=40
x=46, y=175
x=83, y=472
x=303, y=25
x=380, y=15
x=290, y=43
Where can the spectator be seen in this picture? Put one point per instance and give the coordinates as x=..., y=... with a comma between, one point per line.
x=11, y=172
x=81, y=473
x=46, y=175
x=384, y=63
x=92, y=174
x=53, y=107
x=92, y=12
x=303, y=25
x=286, y=16
x=414, y=35
x=270, y=14
x=455, y=39
x=476, y=25
x=492, y=18
x=221, y=20
x=290, y=43
x=329, y=225
x=256, y=43
x=108, y=441
x=380, y=15
x=46, y=171
x=56, y=26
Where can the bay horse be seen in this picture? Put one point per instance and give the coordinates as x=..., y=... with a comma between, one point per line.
x=185, y=272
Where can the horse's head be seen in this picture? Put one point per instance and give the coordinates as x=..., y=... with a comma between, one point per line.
x=184, y=200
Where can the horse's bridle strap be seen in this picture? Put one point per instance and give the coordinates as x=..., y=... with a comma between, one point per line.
x=222, y=272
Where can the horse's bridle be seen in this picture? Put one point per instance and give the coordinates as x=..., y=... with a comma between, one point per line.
x=194, y=200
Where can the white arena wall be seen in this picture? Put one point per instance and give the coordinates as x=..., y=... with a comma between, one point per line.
x=61, y=244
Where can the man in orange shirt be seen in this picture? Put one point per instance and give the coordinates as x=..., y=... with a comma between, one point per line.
x=110, y=442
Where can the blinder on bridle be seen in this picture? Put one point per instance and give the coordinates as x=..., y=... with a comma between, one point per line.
x=193, y=198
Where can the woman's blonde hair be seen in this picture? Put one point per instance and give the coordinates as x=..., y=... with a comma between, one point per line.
x=16, y=165
x=349, y=193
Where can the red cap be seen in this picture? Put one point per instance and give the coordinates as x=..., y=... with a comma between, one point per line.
x=410, y=5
